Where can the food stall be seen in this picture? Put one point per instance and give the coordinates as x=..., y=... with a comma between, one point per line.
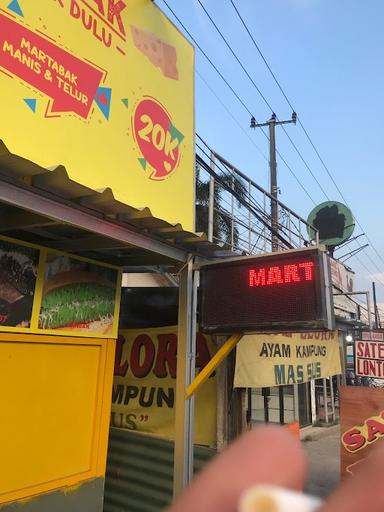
x=58, y=325
x=96, y=178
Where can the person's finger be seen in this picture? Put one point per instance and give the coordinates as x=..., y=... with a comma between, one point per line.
x=266, y=455
x=362, y=491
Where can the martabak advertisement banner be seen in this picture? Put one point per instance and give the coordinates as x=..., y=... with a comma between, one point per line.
x=105, y=88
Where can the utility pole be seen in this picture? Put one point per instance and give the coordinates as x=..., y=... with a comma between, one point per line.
x=272, y=123
x=377, y=316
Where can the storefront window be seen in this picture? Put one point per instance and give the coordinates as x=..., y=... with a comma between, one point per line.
x=265, y=403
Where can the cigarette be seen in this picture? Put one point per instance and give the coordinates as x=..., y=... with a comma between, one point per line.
x=268, y=498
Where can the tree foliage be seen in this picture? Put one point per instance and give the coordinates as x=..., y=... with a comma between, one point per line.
x=222, y=221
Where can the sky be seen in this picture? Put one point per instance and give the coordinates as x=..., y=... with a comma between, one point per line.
x=327, y=55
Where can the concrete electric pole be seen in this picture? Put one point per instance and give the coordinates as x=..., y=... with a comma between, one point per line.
x=272, y=123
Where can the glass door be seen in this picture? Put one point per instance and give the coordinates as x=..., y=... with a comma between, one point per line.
x=272, y=405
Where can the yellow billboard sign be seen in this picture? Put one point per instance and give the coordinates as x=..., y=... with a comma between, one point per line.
x=267, y=360
x=144, y=385
x=105, y=88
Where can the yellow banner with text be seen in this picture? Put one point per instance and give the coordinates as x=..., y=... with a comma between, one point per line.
x=144, y=384
x=267, y=360
x=105, y=88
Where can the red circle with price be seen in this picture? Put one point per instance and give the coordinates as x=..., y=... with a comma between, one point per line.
x=157, y=137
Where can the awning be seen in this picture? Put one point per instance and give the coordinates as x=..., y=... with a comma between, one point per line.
x=46, y=207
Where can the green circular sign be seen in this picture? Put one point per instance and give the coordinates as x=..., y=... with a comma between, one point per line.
x=334, y=222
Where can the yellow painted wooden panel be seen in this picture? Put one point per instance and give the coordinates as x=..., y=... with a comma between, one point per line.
x=55, y=405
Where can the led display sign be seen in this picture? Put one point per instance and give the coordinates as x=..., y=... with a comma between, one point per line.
x=274, y=292
x=284, y=274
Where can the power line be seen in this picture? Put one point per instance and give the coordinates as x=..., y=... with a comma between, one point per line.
x=249, y=112
x=341, y=194
x=259, y=91
x=263, y=213
x=305, y=163
x=235, y=56
x=373, y=263
x=367, y=269
x=296, y=178
x=372, y=276
x=230, y=114
x=236, y=95
x=300, y=122
x=261, y=54
x=209, y=60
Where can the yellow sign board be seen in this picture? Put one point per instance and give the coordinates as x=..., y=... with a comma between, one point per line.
x=144, y=386
x=267, y=360
x=53, y=292
x=105, y=88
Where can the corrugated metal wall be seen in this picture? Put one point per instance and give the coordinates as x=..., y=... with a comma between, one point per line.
x=140, y=472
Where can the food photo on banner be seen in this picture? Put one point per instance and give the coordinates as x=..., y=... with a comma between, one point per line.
x=78, y=296
x=144, y=386
x=18, y=274
x=267, y=360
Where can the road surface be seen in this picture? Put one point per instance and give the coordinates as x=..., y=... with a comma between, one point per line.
x=323, y=449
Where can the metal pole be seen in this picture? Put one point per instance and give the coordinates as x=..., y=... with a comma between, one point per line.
x=273, y=177
x=265, y=392
x=325, y=396
x=213, y=363
x=211, y=203
x=191, y=369
x=313, y=401
x=375, y=305
x=232, y=213
x=296, y=407
x=184, y=409
x=369, y=310
x=249, y=218
x=249, y=406
x=332, y=398
x=265, y=227
x=281, y=405
x=289, y=228
x=222, y=400
x=343, y=357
